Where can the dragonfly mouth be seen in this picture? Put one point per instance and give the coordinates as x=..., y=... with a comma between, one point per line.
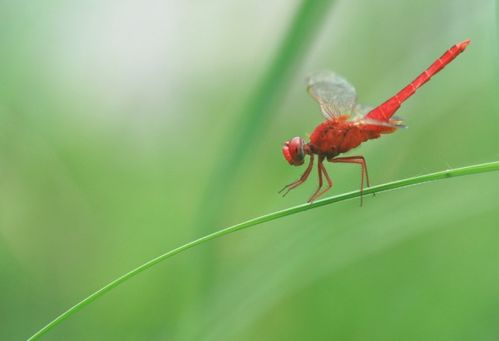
x=286, y=153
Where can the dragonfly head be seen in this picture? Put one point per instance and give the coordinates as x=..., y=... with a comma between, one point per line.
x=294, y=151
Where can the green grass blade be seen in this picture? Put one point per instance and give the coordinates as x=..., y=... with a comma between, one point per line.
x=469, y=170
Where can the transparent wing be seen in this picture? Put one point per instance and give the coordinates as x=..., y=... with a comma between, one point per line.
x=362, y=110
x=333, y=93
x=393, y=123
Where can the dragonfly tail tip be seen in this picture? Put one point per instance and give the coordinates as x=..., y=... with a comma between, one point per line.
x=462, y=45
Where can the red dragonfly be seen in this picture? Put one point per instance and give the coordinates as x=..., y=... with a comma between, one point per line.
x=349, y=124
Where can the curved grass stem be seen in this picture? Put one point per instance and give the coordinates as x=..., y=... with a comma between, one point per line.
x=469, y=170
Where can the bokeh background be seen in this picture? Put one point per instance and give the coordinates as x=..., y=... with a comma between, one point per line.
x=130, y=127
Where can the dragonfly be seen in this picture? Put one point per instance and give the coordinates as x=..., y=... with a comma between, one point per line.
x=349, y=124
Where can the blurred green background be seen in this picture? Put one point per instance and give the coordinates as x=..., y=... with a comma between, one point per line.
x=120, y=123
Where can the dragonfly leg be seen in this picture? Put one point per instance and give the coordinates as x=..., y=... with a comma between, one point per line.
x=362, y=162
x=302, y=178
x=328, y=179
x=320, y=168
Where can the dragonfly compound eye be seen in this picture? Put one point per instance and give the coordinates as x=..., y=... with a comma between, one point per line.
x=293, y=151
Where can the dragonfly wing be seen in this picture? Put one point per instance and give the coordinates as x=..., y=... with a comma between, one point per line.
x=333, y=93
x=393, y=123
x=362, y=110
